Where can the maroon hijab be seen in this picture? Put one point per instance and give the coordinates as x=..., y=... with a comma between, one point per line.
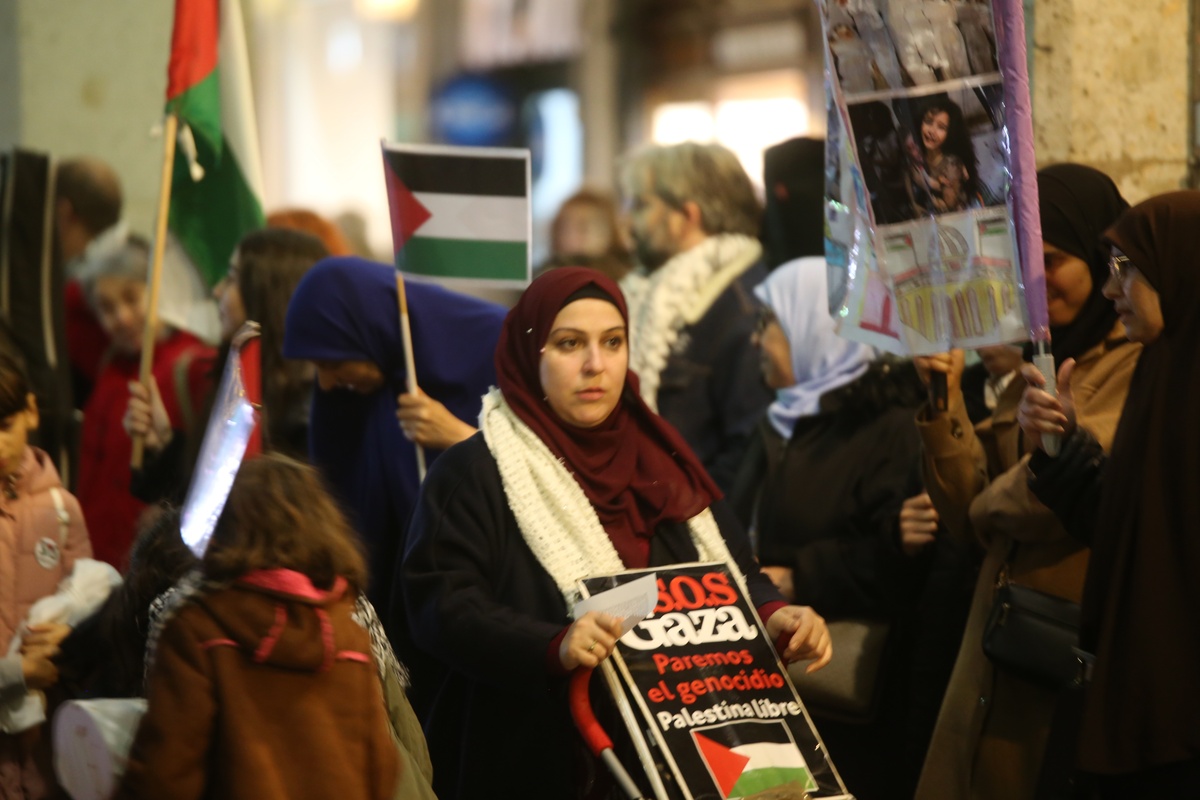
x=634, y=467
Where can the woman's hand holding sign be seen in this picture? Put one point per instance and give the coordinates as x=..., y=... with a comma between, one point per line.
x=589, y=640
x=808, y=637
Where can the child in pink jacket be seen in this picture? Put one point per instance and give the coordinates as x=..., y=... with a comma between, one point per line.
x=42, y=533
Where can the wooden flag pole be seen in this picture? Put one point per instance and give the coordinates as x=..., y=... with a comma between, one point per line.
x=410, y=364
x=170, y=129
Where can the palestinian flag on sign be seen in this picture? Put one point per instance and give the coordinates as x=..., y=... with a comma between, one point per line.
x=216, y=191
x=460, y=212
x=746, y=758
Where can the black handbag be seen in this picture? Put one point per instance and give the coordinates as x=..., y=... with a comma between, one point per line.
x=1033, y=635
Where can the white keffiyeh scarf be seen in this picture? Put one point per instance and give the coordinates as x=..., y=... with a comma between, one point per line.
x=676, y=295
x=556, y=518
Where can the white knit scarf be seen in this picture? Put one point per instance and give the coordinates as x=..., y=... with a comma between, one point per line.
x=556, y=518
x=676, y=295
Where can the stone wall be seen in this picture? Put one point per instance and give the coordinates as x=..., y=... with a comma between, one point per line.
x=1110, y=89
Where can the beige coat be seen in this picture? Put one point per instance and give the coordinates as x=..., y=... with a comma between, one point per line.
x=992, y=728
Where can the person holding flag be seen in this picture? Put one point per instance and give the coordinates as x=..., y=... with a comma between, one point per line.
x=263, y=272
x=344, y=317
x=116, y=288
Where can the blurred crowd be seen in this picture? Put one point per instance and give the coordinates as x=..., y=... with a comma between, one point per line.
x=1000, y=574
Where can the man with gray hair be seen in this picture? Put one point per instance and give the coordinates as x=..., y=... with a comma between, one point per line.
x=694, y=219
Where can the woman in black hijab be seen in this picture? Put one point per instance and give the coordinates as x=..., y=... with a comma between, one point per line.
x=1140, y=509
x=1076, y=204
x=990, y=741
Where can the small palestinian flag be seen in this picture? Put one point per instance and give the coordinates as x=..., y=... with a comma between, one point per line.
x=746, y=758
x=460, y=212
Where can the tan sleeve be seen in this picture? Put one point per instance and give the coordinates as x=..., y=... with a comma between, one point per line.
x=1008, y=506
x=954, y=466
x=1101, y=397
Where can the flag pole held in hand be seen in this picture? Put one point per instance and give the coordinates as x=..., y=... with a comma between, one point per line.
x=1043, y=359
x=154, y=279
x=410, y=363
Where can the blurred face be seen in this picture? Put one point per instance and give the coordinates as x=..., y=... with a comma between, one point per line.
x=14, y=436
x=1001, y=359
x=121, y=309
x=935, y=127
x=775, y=354
x=1136, y=301
x=582, y=231
x=583, y=364
x=361, y=377
x=229, y=301
x=656, y=229
x=1068, y=284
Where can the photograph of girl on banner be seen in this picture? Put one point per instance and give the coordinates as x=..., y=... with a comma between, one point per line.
x=932, y=155
x=943, y=173
x=571, y=476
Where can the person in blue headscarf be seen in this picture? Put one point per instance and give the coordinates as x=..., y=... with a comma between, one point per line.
x=344, y=317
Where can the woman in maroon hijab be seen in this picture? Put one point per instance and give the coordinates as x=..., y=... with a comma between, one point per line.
x=571, y=475
x=1139, y=508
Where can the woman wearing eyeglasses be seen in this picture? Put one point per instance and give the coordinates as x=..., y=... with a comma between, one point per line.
x=1139, y=509
x=992, y=731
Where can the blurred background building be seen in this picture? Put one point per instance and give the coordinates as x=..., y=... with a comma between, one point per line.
x=578, y=81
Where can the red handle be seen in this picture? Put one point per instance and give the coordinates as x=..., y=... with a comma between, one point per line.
x=581, y=711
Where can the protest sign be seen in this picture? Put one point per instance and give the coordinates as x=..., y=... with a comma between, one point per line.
x=713, y=694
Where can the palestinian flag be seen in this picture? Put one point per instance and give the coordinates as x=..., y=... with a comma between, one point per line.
x=460, y=212
x=216, y=191
x=746, y=758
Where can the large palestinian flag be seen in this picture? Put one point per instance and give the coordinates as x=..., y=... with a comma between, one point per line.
x=460, y=212
x=216, y=191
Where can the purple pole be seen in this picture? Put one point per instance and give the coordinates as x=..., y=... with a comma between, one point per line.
x=1018, y=119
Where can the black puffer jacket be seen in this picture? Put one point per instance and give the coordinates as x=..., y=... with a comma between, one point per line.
x=826, y=502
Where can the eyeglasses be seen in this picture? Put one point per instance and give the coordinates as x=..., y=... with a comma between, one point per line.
x=765, y=317
x=1120, y=268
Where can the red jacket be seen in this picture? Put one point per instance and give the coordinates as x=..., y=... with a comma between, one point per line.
x=110, y=508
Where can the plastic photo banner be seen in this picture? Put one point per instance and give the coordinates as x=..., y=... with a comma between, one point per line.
x=723, y=716
x=230, y=428
x=919, y=234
